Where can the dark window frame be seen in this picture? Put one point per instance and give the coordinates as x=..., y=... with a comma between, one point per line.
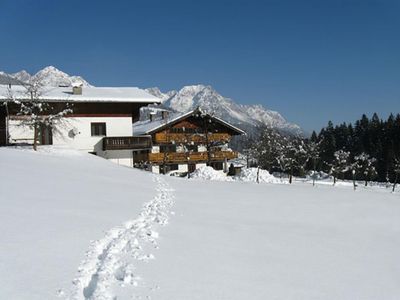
x=98, y=129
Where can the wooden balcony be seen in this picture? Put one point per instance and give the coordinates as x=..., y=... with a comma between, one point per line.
x=127, y=143
x=164, y=137
x=176, y=157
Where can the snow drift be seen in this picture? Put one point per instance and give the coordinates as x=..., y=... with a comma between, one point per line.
x=208, y=173
x=250, y=174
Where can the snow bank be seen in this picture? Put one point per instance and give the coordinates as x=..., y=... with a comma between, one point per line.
x=208, y=173
x=318, y=175
x=250, y=174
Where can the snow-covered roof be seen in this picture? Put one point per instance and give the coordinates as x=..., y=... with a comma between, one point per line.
x=89, y=94
x=149, y=127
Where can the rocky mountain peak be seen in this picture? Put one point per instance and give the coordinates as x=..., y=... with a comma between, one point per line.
x=247, y=117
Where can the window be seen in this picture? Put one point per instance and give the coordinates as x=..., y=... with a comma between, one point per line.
x=173, y=167
x=98, y=129
x=193, y=148
x=185, y=130
x=167, y=148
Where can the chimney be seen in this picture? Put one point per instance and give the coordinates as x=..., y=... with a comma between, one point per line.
x=164, y=114
x=152, y=115
x=77, y=90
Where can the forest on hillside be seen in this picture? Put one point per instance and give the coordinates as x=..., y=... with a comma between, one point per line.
x=368, y=149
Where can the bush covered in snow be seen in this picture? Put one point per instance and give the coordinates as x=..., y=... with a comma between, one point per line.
x=208, y=173
x=247, y=174
x=250, y=174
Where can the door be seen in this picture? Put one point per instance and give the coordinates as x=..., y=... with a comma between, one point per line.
x=3, y=125
x=191, y=168
x=45, y=135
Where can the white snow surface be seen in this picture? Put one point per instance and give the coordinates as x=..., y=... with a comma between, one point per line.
x=208, y=173
x=250, y=174
x=246, y=174
x=55, y=204
x=89, y=94
x=72, y=220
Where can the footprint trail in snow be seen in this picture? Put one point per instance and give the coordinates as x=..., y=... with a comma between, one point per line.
x=110, y=262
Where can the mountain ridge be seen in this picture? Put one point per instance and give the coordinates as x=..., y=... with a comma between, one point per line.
x=247, y=117
x=50, y=76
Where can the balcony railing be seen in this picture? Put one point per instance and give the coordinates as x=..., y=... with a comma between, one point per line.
x=127, y=143
x=163, y=137
x=177, y=157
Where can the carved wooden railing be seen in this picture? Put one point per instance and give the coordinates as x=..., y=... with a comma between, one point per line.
x=127, y=143
x=177, y=157
x=164, y=137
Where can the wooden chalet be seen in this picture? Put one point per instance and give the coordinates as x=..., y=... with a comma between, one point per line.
x=184, y=142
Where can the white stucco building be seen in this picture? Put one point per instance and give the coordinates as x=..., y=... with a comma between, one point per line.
x=100, y=121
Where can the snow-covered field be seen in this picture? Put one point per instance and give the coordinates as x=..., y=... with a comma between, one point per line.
x=222, y=240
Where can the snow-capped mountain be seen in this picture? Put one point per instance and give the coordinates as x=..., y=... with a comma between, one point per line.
x=247, y=117
x=50, y=76
x=23, y=76
x=155, y=91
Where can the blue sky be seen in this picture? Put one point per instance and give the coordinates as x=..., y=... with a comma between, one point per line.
x=312, y=61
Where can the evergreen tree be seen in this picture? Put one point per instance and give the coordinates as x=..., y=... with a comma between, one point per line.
x=374, y=137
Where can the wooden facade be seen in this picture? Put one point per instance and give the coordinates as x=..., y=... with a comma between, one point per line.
x=190, y=157
x=194, y=139
x=127, y=142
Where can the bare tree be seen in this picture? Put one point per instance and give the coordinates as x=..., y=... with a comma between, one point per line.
x=312, y=150
x=396, y=165
x=340, y=164
x=269, y=149
x=366, y=165
x=287, y=160
x=34, y=112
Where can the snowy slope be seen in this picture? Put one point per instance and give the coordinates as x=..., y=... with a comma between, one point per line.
x=232, y=240
x=225, y=240
x=52, y=206
x=50, y=76
x=246, y=116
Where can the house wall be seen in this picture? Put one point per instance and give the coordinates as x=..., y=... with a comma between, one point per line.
x=76, y=131
x=183, y=168
x=200, y=165
x=19, y=133
x=155, y=169
x=202, y=148
x=120, y=157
